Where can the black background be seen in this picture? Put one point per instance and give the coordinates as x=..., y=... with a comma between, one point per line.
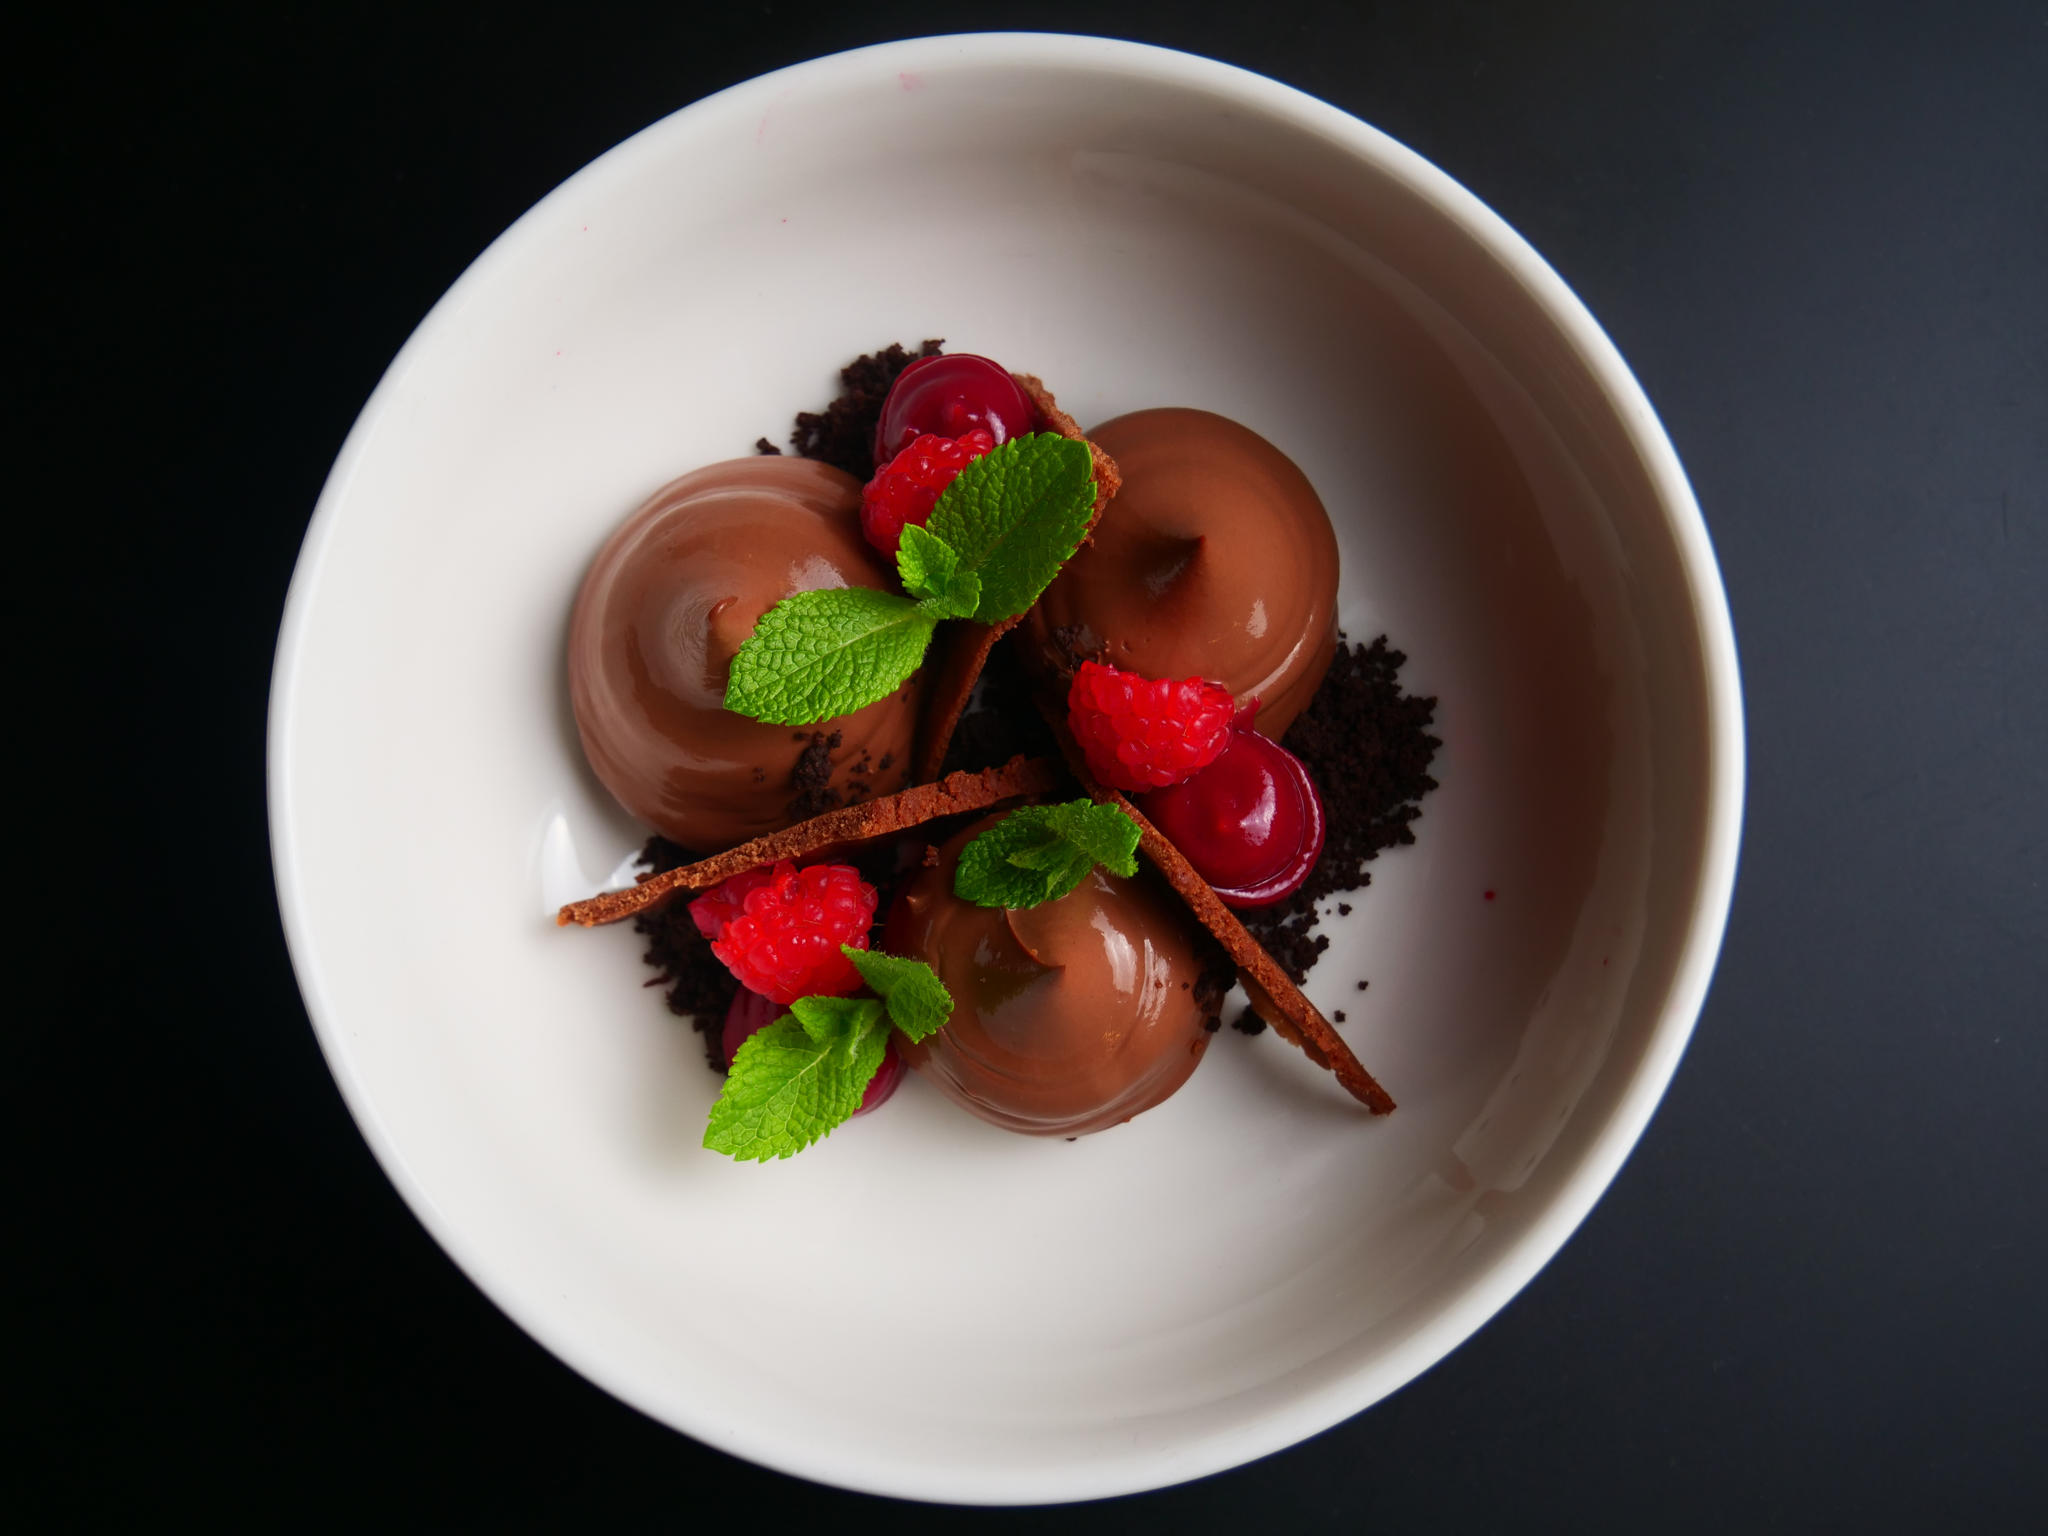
x=1820, y=236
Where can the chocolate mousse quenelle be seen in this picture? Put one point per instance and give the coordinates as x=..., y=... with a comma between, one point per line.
x=666, y=605
x=1220, y=563
x=765, y=650
x=1069, y=1016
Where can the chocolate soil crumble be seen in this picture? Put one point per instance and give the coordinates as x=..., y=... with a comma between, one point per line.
x=1368, y=748
x=699, y=987
x=843, y=434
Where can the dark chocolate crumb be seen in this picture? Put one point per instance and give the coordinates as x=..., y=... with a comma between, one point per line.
x=1249, y=1023
x=1213, y=982
x=1367, y=746
x=762, y=445
x=843, y=434
x=1000, y=721
x=1338, y=1016
x=1343, y=909
x=1362, y=985
x=1071, y=648
x=888, y=761
x=700, y=988
x=812, y=777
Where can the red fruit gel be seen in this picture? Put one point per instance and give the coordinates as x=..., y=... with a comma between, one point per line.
x=751, y=1012
x=1251, y=822
x=948, y=396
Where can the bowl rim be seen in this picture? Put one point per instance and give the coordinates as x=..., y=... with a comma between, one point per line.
x=1302, y=1413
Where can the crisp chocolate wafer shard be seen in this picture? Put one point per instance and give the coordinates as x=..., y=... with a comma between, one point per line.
x=962, y=648
x=881, y=817
x=1108, y=480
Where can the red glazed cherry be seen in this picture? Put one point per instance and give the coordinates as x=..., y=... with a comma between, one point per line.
x=750, y=1011
x=949, y=396
x=1251, y=822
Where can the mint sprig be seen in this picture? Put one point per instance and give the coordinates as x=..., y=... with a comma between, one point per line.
x=801, y=1077
x=917, y=1000
x=826, y=653
x=930, y=568
x=794, y=1081
x=1040, y=852
x=1016, y=515
x=996, y=537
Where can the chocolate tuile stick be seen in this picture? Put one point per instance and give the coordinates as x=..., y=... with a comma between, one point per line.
x=883, y=817
x=962, y=648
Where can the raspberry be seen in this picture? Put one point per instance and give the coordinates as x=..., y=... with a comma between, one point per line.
x=1139, y=733
x=726, y=901
x=779, y=930
x=906, y=488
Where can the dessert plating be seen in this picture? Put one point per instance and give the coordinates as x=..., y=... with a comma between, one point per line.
x=1026, y=965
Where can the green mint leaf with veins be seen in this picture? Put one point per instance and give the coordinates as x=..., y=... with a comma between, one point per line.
x=1041, y=852
x=925, y=562
x=930, y=568
x=917, y=1000
x=795, y=1081
x=1103, y=832
x=831, y=1020
x=997, y=535
x=1014, y=515
x=821, y=654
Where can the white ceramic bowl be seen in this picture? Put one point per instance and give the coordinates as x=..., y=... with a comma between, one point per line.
x=926, y=1306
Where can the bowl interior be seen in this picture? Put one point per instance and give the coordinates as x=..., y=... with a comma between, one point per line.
x=925, y=1305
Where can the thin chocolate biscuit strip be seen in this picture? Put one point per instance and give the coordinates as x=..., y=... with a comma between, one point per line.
x=883, y=817
x=962, y=648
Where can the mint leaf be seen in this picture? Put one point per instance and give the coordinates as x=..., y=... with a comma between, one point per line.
x=925, y=561
x=1051, y=851
x=820, y=654
x=996, y=536
x=793, y=1082
x=930, y=568
x=917, y=1000
x=1103, y=832
x=1014, y=515
x=830, y=1019
x=1041, y=852
x=961, y=597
